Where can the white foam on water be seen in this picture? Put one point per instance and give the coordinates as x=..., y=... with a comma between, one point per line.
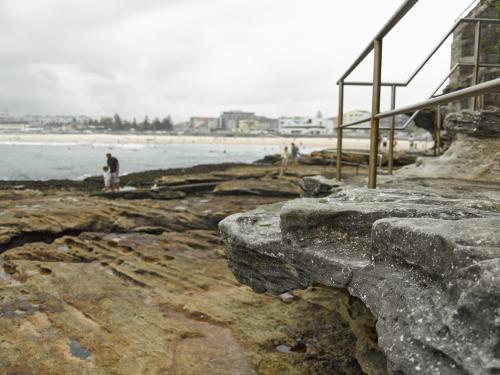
x=71, y=144
x=36, y=143
x=83, y=177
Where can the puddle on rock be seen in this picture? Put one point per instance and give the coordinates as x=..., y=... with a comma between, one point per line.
x=283, y=349
x=77, y=350
x=297, y=348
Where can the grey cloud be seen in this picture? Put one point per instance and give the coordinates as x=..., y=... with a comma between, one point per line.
x=188, y=57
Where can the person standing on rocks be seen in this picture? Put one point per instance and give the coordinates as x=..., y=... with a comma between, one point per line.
x=106, y=174
x=295, y=154
x=284, y=161
x=411, y=138
x=114, y=169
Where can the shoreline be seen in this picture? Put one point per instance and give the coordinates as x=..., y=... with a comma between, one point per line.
x=117, y=139
x=143, y=139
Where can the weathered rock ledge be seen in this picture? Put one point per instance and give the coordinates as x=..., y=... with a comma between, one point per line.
x=474, y=153
x=427, y=265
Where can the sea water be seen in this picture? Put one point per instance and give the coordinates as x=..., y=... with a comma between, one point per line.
x=76, y=161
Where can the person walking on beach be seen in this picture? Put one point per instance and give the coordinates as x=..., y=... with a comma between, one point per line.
x=114, y=170
x=295, y=154
x=284, y=161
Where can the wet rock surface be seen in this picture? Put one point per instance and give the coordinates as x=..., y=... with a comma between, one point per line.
x=425, y=263
x=141, y=286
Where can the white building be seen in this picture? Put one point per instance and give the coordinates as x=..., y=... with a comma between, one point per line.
x=308, y=126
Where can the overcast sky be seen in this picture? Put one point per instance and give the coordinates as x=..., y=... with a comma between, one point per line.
x=200, y=57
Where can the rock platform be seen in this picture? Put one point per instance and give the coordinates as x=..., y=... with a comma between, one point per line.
x=139, y=284
x=427, y=266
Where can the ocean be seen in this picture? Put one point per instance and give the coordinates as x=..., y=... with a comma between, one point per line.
x=76, y=161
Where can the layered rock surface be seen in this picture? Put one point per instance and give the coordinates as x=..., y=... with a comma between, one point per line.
x=427, y=265
x=140, y=285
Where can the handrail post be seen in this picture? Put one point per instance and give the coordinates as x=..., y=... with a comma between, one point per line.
x=477, y=58
x=392, y=130
x=437, y=149
x=340, y=121
x=377, y=79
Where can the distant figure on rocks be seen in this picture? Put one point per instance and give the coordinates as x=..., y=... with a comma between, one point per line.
x=114, y=169
x=411, y=138
x=284, y=161
x=295, y=154
x=106, y=175
x=384, y=142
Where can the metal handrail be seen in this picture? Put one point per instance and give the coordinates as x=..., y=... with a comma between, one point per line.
x=393, y=21
x=426, y=60
x=377, y=83
x=433, y=95
x=390, y=84
x=483, y=20
x=467, y=9
x=415, y=114
x=488, y=87
x=368, y=119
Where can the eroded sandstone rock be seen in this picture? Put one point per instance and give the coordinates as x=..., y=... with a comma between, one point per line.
x=96, y=286
x=474, y=154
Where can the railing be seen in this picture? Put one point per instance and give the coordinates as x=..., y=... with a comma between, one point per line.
x=376, y=45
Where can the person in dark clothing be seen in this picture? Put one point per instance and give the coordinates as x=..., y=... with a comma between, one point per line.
x=295, y=154
x=114, y=169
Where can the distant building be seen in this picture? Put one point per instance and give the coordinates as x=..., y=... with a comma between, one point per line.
x=252, y=126
x=182, y=127
x=229, y=120
x=331, y=125
x=13, y=126
x=257, y=125
x=300, y=126
x=39, y=120
x=203, y=124
x=5, y=117
x=356, y=115
x=10, y=123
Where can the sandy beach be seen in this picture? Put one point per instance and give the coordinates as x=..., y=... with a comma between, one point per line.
x=349, y=143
